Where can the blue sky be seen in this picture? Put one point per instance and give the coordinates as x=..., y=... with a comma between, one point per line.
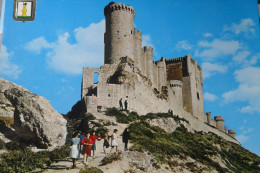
x=46, y=56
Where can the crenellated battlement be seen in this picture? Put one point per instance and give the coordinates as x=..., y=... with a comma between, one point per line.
x=112, y=6
x=173, y=60
x=148, y=49
x=138, y=34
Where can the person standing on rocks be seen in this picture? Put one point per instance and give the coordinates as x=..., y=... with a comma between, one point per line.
x=114, y=141
x=87, y=143
x=106, y=142
x=94, y=138
x=126, y=105
x=126, y=137
x=120, y=105
x=75, y=149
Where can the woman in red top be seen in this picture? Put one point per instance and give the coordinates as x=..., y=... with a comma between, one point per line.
x=87, y=143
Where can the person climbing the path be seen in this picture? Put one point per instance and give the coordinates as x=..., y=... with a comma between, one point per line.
x=94, y=138
x=106, y=142
x=114, y=141
x=87, y=143
x=75, y=149
x=120, y=105
x=81, y=136
x=126, y=105
x=126, y=137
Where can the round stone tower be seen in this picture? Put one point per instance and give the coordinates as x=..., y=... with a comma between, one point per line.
x=119, y=35
x=220, y=123
x=232, y=133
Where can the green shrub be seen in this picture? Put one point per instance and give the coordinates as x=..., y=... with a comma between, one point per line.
x=2, y=144
x=121, y=117
x=199, y=146
x=22, y=161
x=90, y=170
x=113, y=112
x=101, y=130
x=89, y=116
x=15, y=146
x=110, y=158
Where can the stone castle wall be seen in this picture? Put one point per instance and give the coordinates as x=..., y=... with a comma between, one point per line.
x=130, y=73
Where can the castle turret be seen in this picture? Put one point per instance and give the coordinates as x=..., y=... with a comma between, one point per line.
x=208, y=114
x=119, y=35
x=232, y=133
x=220, y=123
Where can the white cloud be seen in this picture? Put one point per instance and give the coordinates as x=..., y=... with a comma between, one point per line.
x=7, y=68
x=247, y=91
x=210, y=97
x=249, y=76
x=245, y=26
x=217, y=48
x=207, y=35
x=241, y=56
x=184, y=44
x=37, y=45
x=64, y=57
x=242, y=138
x=209, y=69
x=147, y=41
x=244, y=59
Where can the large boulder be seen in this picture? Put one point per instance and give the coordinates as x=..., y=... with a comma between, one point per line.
x=35, y=120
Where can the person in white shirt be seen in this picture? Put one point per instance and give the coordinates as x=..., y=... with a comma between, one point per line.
x=114, y=141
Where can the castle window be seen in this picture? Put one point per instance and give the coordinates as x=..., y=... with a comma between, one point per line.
x=108, y=95
x=95, y=78
x=198, y=96
x=131, y=32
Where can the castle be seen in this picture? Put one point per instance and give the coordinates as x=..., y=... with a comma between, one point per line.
x=130, y=73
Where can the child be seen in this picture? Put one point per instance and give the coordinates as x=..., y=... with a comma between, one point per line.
x=113, y=141
x=106, y=142
x=87, y=143
x=94, y=138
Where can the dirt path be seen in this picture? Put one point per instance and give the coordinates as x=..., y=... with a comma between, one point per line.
x=65, y=166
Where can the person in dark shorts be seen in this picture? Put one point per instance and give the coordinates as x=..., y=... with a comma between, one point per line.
x=94, y=138
x=106, y=142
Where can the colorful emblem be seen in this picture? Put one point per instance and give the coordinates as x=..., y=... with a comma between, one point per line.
x=24, y=10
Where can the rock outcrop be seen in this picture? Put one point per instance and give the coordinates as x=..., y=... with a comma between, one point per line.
x=36, y=122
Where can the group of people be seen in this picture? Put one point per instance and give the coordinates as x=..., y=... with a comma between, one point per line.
x=121, y=104
x=84, y=145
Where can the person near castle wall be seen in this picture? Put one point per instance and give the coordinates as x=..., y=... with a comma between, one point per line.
x=126, y=105
x=126, y=137
x=75, y=149
x=106, y=142
x=120, y=104
x=114, y=141
x=94, y=138
x=87, y=143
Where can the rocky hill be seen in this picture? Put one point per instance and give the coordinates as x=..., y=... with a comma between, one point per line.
x=160, y=142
